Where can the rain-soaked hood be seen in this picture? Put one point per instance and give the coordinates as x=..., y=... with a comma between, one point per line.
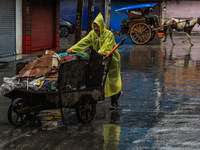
x=100, y=21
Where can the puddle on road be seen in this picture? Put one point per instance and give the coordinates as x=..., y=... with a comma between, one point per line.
x=156, y=82
x=50, y=119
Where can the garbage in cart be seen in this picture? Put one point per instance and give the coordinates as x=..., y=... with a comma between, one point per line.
x=65, y=82
x=40, y=74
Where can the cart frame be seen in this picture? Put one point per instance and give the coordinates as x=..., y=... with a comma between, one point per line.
x=86, y=89
x=138, y=29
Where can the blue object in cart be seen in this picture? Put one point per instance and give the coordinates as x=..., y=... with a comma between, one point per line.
x=48, y=86
x=63, y=54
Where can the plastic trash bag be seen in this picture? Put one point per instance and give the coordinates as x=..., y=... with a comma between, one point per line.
x=9, y=84
x=36, y=84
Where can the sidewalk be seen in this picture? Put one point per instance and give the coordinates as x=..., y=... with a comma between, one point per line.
x=14, y=59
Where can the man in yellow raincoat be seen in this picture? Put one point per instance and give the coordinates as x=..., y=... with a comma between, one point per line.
x=103, y=41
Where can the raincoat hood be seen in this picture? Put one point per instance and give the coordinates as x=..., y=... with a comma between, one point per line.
x=100, y=21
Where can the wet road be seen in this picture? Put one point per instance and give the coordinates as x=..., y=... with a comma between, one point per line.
x=159, y=108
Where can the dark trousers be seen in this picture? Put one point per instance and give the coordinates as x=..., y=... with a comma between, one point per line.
x=114, y=98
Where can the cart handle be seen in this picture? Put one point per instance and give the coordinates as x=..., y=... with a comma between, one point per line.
x=120, y=43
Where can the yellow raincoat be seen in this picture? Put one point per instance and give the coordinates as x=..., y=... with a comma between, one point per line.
x=103, y=45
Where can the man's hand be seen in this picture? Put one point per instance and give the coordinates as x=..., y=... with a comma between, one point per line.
x=69, y=51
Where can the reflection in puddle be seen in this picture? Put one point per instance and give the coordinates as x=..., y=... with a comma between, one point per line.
x=51, y=119
x=181, y=77
x=111, y=131
x=155, y=82
x=175, y=77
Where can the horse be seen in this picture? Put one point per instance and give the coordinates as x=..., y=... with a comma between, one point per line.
x=180, y=24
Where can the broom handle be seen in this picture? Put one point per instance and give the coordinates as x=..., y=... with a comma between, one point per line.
x=120, y=43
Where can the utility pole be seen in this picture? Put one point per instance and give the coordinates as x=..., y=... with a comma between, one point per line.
x=107, y=13
x=78, y=21
x=90, y=15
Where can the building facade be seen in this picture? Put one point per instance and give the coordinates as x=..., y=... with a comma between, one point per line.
x=32, y=25
x=7, y=27
x=28, y=25
x=68, y=9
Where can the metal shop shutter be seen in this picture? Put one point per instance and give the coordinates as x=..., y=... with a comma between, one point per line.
x=42, y=24
x=7, y=27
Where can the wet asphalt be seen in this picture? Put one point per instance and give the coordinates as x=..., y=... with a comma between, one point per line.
x=159, y=108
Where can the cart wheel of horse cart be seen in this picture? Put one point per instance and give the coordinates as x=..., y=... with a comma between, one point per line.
x=136, y=25
x=78, y=88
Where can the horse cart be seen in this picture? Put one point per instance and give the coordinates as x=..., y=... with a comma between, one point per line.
x=80, y=86
x=136, y=25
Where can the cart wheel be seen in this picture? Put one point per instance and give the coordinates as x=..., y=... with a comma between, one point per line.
x=16, y=115
x=86, y=108
x=140, y=33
